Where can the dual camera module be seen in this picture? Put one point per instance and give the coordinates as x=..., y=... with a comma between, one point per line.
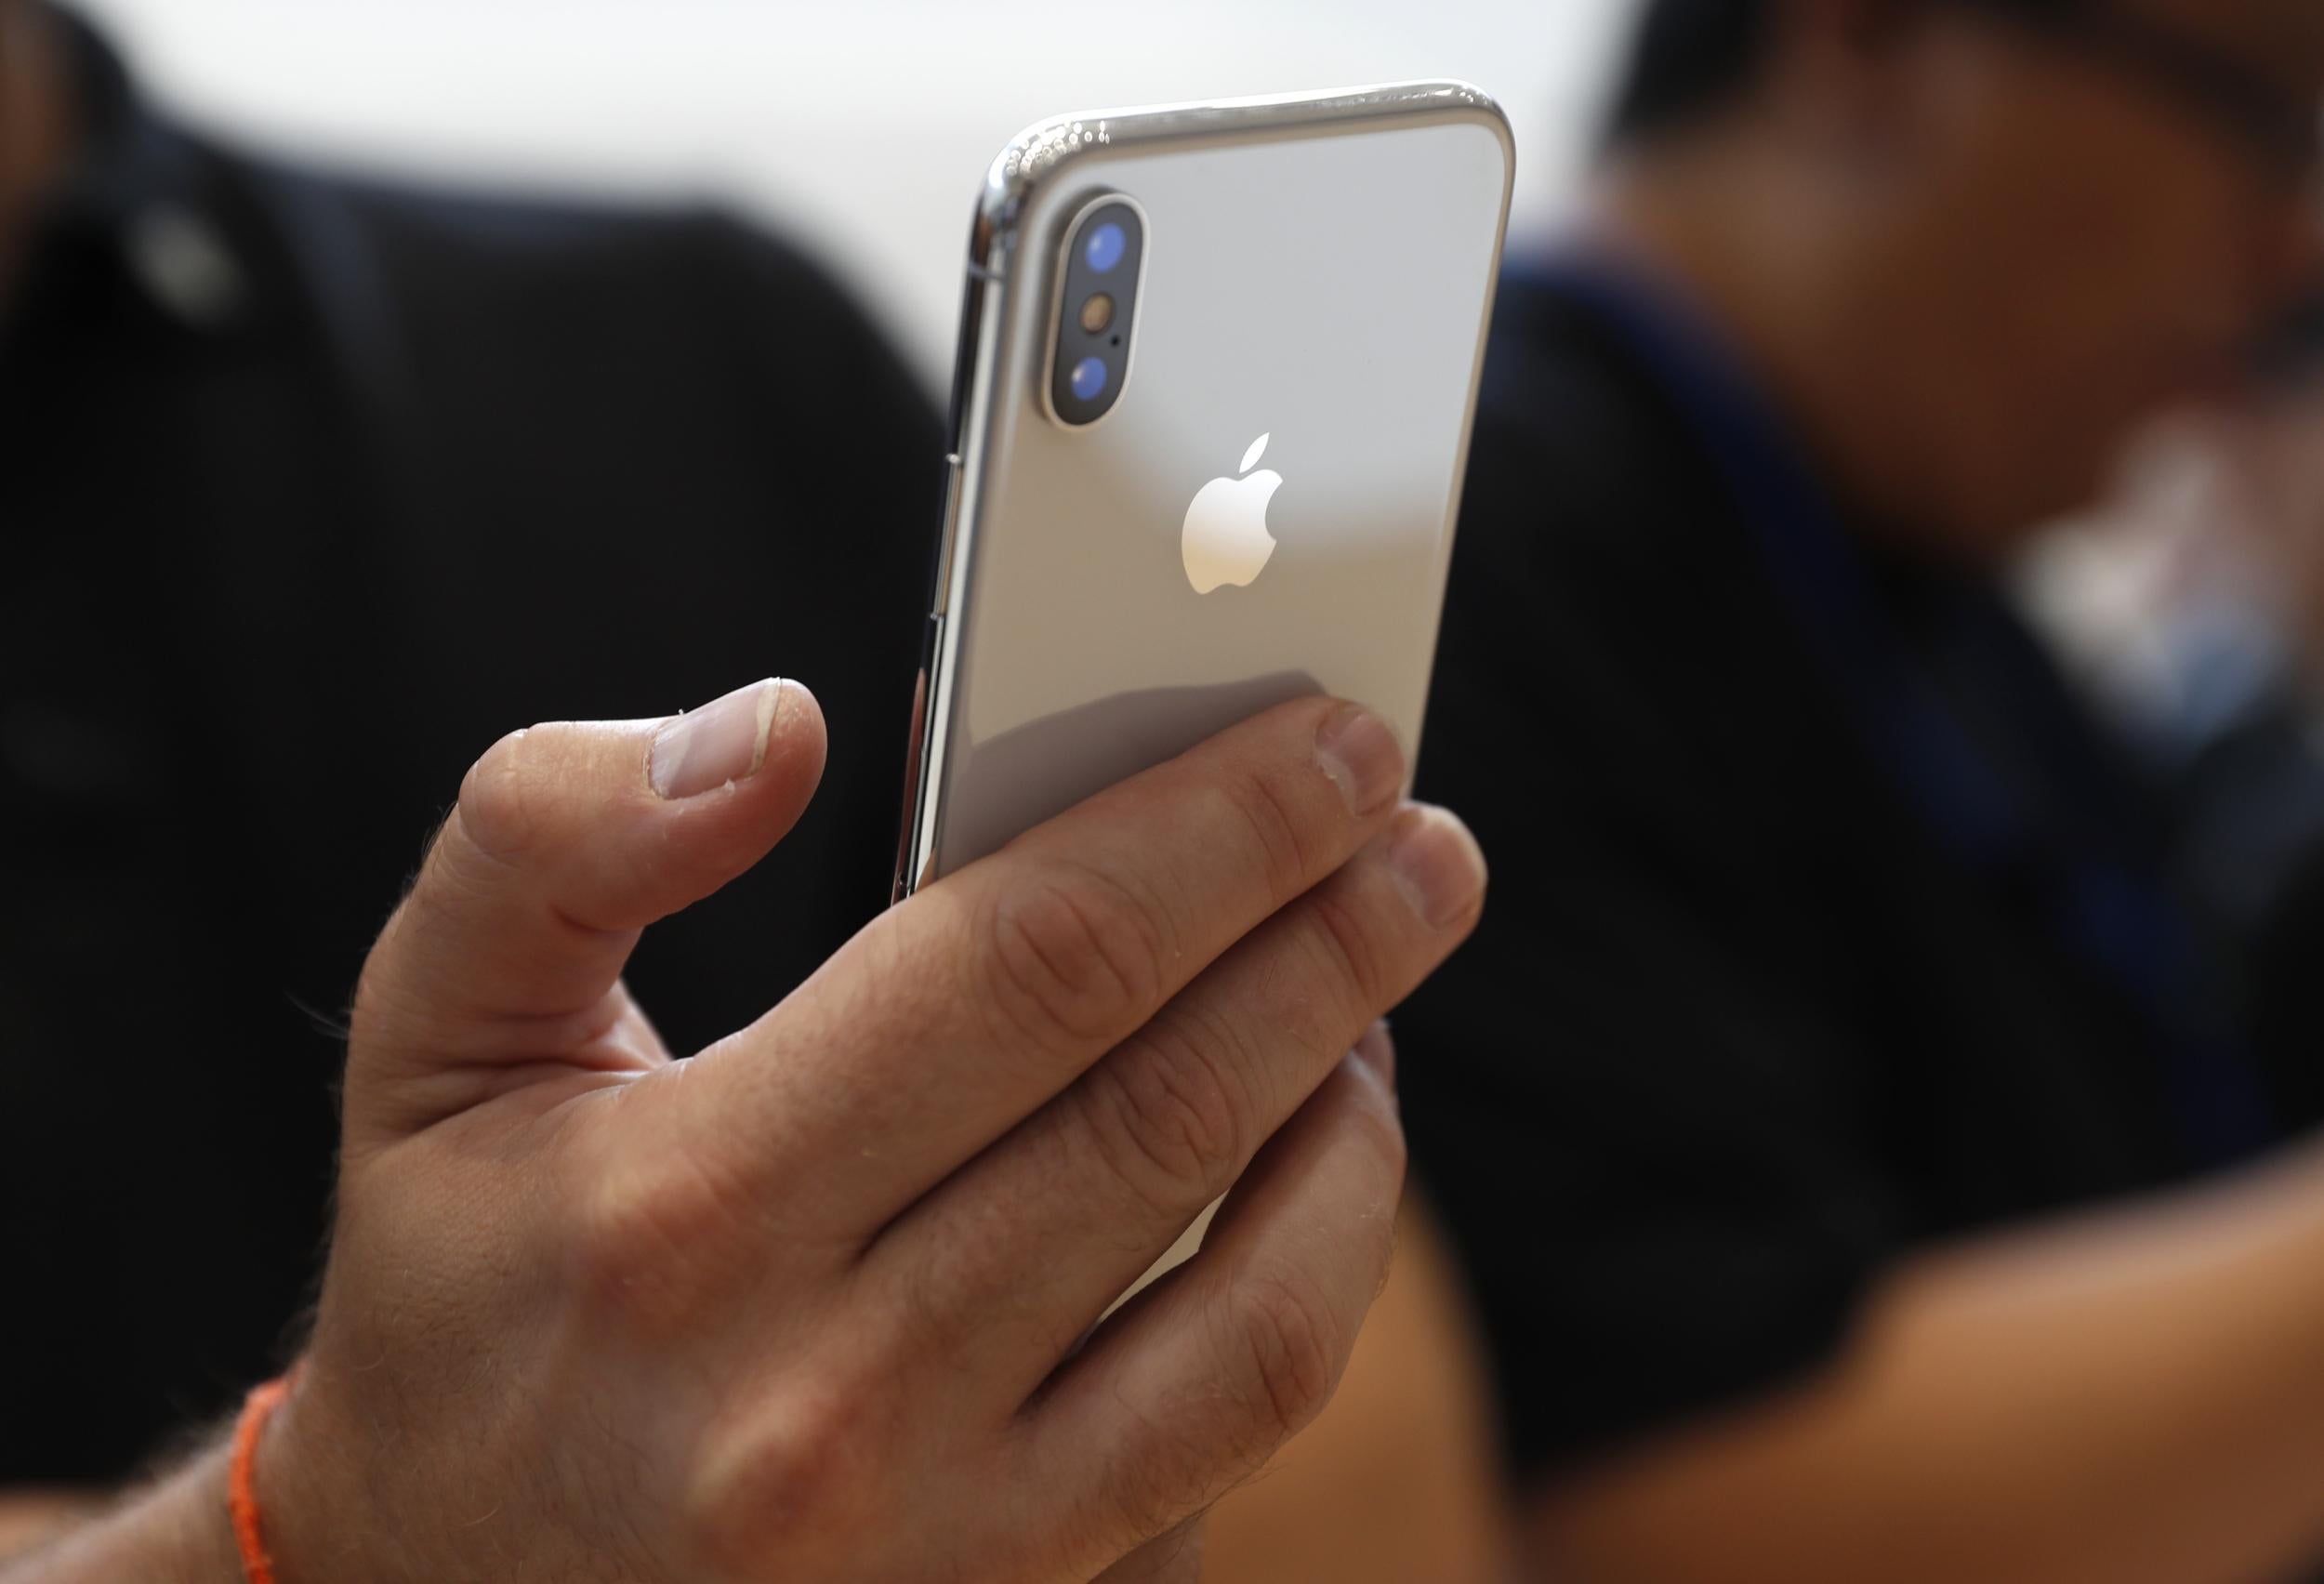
x=1107, y=250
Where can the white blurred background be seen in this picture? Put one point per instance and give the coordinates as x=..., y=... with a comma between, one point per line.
x=861, y=127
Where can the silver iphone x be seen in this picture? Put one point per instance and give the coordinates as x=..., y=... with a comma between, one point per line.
x=1216, y=367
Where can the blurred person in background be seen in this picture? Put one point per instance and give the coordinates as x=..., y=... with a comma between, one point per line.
x=1876, y=1150
x=2190, y=606
x=311, y=486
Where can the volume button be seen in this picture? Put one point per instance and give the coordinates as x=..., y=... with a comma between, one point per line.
x=916, y=761
x=951, y=535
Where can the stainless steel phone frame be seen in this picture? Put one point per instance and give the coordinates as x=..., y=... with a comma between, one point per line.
x=1004, y=257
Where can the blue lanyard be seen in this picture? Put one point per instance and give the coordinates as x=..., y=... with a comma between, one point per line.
x=2117, y=918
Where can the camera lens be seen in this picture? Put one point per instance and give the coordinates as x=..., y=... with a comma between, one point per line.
x=1101, y=259
x=1105, y=247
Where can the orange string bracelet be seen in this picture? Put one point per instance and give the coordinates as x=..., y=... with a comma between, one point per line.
x=242, y=1497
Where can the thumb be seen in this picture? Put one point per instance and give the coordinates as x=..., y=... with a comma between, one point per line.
x=568, y=839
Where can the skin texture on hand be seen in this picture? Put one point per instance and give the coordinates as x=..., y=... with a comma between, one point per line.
x=813, y=1304
x=1399, y=1478
x=29, y=1517
x=175, y=1533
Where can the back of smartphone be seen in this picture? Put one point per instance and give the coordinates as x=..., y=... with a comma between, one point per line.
x=1231, y=480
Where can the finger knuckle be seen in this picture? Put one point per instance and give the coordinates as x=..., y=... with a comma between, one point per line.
x=798, y=1477
x=1271, y=816
x=1275, y=1359
x=648, y=1245
x=1285, y=1347
x=1072, y=953
x=1166, y=1119
x=1350, y=946
x=1169, y=1470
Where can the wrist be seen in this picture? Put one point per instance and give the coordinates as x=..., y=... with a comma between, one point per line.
x=316, y=1494
x=290, y=1469
x=177, y=1531
x=206, y=1533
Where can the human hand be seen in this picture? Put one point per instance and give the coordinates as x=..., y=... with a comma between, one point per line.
x=811, y=1305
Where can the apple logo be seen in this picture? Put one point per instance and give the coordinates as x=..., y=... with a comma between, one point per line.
x=1225, y=538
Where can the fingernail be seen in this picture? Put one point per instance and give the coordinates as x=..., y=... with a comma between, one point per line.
x=1360, y=754
x=724, y=741
x=1439, y=862
x=1377, y=1050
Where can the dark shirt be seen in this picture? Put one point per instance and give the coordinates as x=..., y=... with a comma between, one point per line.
x=1825, y=924
x=309, y=489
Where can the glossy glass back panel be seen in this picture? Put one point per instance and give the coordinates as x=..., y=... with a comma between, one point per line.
x=1316, y=272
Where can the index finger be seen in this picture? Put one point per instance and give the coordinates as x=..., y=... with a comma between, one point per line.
x=965, y=1009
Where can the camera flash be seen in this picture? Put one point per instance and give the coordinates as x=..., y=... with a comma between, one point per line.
x=1097, y=314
